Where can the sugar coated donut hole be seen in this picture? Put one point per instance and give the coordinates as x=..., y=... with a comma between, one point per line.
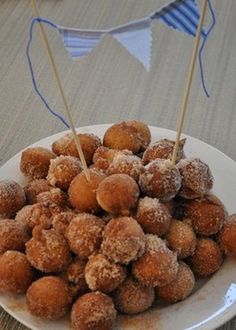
x=35, y=162
x=12, y=198
x=207, y=216
x=61, y=221
x=227, y=236
x=47, y=250
x=122, y=136
x=126, y=164
x=160, y=179
x=131, y=297
x=123, y=240
x=66, y=146
x=82, y=192
x=62, y=171
x=34, y=188
x=16, y=274
x=181, y=238
x=153, y=216
x=118, y=194
x=158, y=266
x=207, y=257
x=32, y=215
x=103, y=156
x=180, y=288
x=74, y=276
x=55, y=199
x=143, y=130
x=13, y=236
x=197, y=179
x=163, y=149
x=93, y=310
x=48, y=298
x=84, y=234
x=103, y=274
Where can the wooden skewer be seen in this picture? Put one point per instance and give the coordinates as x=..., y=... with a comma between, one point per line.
x=189, y=82
x=61, y=92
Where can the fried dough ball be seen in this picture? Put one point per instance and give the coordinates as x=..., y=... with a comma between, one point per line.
x=61, y=221
x=207, y=216
x=62, y=171
x=144, y=132
x=84, y=234
x=12, y=198
x=131, y=297
x=66, y=146
x=227, y=236
x=103, y=156
x=197, y=179
x=160, y=179
x=181, y=238
x=163, y=149
x=93, y=310
x=34, y=188
x=47, y=250
x=180, y=288
x=207, y=257
x=103, y=274
x=75, y=277
x=55, y=199
x=16, y=274
x=82, y=193
x=13, y=236
x=35, y=162
x=123, y=240
x=122, y=136
x=130, y=165
x=158, y=266
x=32, y=215
x=48, y=298
x=118, y=194
x=153, y=216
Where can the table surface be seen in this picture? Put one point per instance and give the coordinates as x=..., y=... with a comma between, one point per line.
x=109, y=85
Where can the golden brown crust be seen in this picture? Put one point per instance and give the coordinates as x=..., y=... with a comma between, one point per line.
x=227, y=236
x=34, y=188
x=35, y=162
x=12, y=198
x=144, y=132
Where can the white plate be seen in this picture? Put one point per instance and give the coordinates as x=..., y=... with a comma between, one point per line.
x=213, y=304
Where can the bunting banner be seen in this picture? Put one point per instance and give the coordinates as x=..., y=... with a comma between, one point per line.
x=134, y=36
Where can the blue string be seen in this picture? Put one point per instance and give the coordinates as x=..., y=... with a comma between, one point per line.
x=203, y=44
x=37, y=20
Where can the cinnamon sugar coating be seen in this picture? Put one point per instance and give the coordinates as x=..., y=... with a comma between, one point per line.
x=145, y=269
x=227, y=236
x=153, y=216
x=181, y=238
x=66, y=146
x=131, y=297
x=93, y=310
x=160, y=179
x=126, y=164
x=34, y=188
x=12, y=198
x=207, y=257
x=123, y=240
x=16, y=274
x=143, y=131
x=207, y=215
x=47, y=250
x=13, y=236
x=180, y=288
x=35, y=162
x=48, y=298
x=62, y=171
x=103, y=274
x=197, y=179
x=84, y=234
x=163, y=149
